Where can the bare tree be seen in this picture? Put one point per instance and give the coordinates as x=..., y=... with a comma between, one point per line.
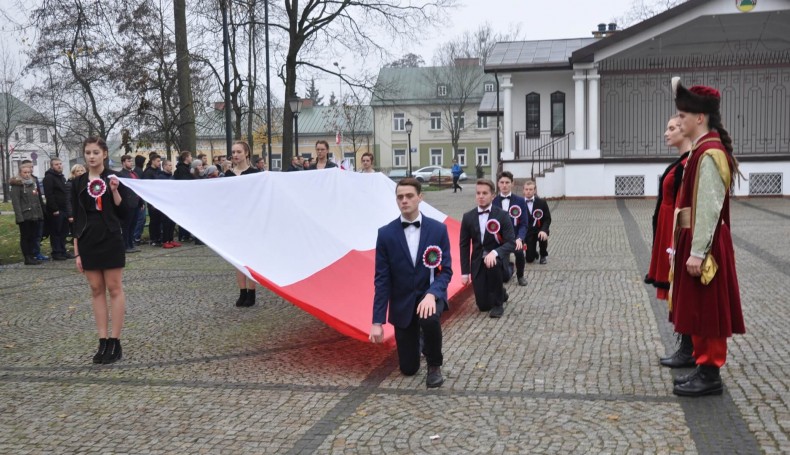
x=641, y=10
x=409, y=60
x=12, y=110
x=458, y=76
x=186, y=121
x=352, y=117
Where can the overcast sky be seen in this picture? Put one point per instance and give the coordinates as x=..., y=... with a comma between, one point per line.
x=537, y=20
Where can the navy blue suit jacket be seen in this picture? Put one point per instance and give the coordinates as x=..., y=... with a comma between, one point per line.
x=399, y=284
x=520, y=228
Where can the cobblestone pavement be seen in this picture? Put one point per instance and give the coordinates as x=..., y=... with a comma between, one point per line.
x=572, y=367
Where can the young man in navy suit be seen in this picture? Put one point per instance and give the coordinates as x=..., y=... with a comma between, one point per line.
x=413, y=269
x=537, y=227
x=489, y=231
x=507, y=201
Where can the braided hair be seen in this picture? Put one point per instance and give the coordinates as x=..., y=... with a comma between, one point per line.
x=714, y=122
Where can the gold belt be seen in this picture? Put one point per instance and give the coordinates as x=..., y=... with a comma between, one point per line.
x=684, y=217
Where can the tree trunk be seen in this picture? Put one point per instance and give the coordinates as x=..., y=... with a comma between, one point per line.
x=186, y=123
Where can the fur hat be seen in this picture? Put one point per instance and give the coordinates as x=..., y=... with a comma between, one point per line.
x=698, y=99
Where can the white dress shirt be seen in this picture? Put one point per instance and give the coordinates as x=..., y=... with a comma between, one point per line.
x=412, y=234
x=505, y=202
x=483, y=219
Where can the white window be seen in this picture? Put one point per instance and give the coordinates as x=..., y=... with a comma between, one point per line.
x=277, y=161
x=482, y=122
x=399, y=122
x=441, y=90
x=43, y=135
x=399, y=158
x=436, y=121
x=29, y=134
x=488, y=87
x=436, y=157
x=482, y=156
x=461, y=157
x=459, y=120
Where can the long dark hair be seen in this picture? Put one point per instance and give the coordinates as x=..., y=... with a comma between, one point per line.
x=714, y=122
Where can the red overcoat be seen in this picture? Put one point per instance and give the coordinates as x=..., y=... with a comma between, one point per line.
x=712, y=310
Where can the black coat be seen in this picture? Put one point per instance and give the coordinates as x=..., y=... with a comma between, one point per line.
x=470, y=235
x=182, y=172
x=544, y=223
x=55, y=191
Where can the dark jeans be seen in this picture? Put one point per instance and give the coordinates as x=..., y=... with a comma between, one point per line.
x=58, y=227
x=532, y=247
x=140, y=225
x=154, y=224
x=456, y=186
x=183, y=234
x=27, y=237
x=129, y=227
x=408, y=341
x=39, y=233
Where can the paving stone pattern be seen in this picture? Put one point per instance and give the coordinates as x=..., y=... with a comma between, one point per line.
x=572, y=367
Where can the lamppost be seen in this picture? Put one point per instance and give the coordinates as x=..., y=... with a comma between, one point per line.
x=340, y=76
x=409, y=126
x=296, y=105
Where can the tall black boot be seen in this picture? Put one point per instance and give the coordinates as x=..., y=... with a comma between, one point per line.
x=682, y=358
x=706, y=382
x=242, y=297
x=250, y=301
x=97, y=358
x=113, y=352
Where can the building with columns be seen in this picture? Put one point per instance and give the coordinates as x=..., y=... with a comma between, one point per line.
x=586, y=117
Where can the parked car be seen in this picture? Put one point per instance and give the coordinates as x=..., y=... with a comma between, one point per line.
x=397, y=174
x=443, y=176
x=423, y=174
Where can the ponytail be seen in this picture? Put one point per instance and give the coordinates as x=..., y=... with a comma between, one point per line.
x=714, y=122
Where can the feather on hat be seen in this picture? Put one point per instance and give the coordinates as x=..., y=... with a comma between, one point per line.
x=698, y=99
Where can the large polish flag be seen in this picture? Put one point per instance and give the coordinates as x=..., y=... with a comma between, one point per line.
x=308, y=236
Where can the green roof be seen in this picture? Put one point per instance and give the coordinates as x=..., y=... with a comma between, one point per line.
x=399, y=86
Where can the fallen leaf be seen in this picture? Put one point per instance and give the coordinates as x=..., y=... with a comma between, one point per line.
x=434, y=437
x=613, y=417
x=10, y=346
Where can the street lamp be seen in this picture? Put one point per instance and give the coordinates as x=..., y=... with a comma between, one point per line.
x=409, y=126
x=340, y=76
x=296, y=105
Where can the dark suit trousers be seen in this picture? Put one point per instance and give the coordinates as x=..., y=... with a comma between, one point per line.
x=154, y=224
x=520, y=262
x=58, y=227
x=532, y=247
x=129, y=226
x=489, y=286
x=408, y=341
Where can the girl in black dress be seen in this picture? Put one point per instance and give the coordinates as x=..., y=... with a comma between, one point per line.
x=98, y=207
x=240, y=160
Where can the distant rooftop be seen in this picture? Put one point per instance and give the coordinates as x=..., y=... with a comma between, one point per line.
x=534, y=55
x=416, y=86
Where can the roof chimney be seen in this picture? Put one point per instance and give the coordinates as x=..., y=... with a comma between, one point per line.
x=612, y=27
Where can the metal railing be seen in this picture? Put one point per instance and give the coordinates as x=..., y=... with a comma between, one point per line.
x=552, y=154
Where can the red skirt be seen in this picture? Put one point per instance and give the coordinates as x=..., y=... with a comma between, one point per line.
x=712, y=310
x=658, y=273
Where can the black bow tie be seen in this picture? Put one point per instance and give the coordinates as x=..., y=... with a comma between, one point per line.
x=484, y=211
x=531, y=200
x=407, y=224
x=505, y=197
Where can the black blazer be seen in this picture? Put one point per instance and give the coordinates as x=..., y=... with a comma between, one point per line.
x=470, y=235
x=133, y=201
x=544, y=223
x=112, y=214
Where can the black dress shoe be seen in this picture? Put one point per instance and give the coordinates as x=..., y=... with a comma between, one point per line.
x=679, y=359
x=543, y=260
x=496, y=312
x=706, y=382
x=506, y=296
x=434, y=378
x=58, y=257
x=522, y=281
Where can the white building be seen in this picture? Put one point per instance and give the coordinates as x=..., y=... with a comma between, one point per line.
x=586, y=116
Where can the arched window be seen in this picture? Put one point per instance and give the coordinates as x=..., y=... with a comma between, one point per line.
x=558, y=114
x=533, y=115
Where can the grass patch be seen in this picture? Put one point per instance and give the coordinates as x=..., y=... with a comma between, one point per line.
x=9, y=237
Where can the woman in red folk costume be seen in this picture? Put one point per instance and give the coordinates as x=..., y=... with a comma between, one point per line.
x=705, y=300
x=663, y=225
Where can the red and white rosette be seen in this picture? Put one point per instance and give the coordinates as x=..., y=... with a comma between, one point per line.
x=432, y=259
x=515, y=212
x=96, y=189
x=493, y=227
x=537, y=215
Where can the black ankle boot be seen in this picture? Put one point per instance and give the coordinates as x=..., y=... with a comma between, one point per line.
x=682, y=358
x=97, y=358
x=30, y=260
x=250, y=301
x=706, y=382
x=113, y=352
x=242, y=297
